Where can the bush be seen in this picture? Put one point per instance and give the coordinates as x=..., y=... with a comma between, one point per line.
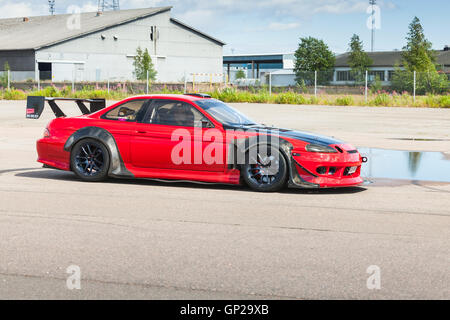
x=240, y=74
x=344, y=101
x=376, y=86
x=444, y=101
x=14, y=94
x=313, y=100
x=382, y=99
x=289, y=98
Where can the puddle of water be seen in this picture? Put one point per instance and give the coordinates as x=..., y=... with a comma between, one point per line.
x=419, y=139
x=408, y=165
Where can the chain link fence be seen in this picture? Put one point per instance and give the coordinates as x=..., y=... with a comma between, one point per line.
x=345, y=82
x=340, y=86
x=105, y=80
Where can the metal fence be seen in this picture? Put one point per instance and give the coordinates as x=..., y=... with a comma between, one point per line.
x=334, y=82
x=106, y=80
x=337, y=82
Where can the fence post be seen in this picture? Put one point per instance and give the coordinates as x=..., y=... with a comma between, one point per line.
x=315, y=83
x=270, y=83
x=414, y=87
x=365, y=88
x=210, y=81
x=73, y=79
x=9, y=79
x=185, y=82
x=147, y=83
x=39, y=79
x=108, y=81
x=193, y=82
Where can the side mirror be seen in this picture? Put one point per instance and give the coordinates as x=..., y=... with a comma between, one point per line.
x=206, y=123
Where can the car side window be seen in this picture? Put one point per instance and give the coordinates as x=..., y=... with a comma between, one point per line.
x=128, y=111
x=176, y=113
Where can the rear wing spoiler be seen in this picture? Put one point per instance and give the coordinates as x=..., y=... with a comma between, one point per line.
x=35, y=106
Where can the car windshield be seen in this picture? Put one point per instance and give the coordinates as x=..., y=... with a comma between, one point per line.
x=223, y=112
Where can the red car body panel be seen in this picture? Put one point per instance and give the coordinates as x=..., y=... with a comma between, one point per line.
x=146, y=150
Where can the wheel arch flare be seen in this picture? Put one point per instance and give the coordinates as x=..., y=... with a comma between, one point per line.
x=117, y=167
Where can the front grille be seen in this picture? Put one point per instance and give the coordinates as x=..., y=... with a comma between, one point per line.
x=347, y=169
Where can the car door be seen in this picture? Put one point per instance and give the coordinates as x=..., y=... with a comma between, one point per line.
x=175, y=135
x=121, y=123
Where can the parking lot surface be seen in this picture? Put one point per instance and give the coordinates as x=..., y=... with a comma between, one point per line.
x=142, y=239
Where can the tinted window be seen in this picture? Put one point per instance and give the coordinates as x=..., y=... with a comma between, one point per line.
x=223, y=112
x=128, y=111
x=176, y=113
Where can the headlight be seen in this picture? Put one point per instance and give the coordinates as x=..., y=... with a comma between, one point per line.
x=319, y=148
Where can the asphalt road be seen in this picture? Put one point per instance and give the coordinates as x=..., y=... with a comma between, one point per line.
x=156, y=240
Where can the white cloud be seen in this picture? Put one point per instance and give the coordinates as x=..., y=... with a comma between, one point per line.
x=142, y=3
x=278, y=26
x=200, y=16
x=15, y=9
x=89, y=7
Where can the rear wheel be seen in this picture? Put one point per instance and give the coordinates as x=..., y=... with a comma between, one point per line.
x=265, y=169
x=90, y=160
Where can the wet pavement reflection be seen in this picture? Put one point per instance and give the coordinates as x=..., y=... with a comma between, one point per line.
x=407, y=165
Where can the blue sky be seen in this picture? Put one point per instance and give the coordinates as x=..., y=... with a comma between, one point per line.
x=257, y=26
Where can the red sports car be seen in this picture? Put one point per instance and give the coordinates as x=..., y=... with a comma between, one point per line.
x=189, y=137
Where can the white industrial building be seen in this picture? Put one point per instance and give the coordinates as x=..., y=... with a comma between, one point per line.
x=95, y=46
x=257, y=66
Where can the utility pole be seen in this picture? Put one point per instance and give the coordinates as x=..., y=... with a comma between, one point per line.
x=51, y=6
x=372, y=3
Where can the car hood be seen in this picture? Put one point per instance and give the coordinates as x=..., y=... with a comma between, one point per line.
x=292, y=134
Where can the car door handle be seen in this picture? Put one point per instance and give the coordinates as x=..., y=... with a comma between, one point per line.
x=141, y=131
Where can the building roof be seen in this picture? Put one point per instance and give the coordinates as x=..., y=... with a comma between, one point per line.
x=192, y=29
x=259, y=54
x=269, y=58
x=43, y=31
x=390, y=58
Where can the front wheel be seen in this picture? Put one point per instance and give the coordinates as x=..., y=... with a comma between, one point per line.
x=265, y=169
x=90, y=160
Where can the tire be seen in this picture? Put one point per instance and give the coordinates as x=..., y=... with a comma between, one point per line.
x=90, y=160
x=265, y=173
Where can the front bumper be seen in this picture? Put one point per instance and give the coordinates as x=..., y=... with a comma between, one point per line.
x=326, y=170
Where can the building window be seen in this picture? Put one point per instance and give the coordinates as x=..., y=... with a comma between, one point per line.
x=390, y=75
x=373, y=75
x=344, y=76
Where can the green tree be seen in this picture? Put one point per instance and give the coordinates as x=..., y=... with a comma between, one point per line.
x=313, y=55
x=143, y=63
x=376, y=85
x=4, y=75
x=358, y=59
x=418, y=56
x=240, y=74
